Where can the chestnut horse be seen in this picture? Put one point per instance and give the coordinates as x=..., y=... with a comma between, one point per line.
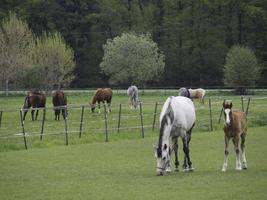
x=235, y=127
x=35, y=99
x=102, y=95
x=60, y=102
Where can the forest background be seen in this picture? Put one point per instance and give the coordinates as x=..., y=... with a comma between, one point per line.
x=194, y=36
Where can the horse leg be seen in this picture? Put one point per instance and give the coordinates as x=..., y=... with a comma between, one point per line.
x=24, y=115
x=236, y=141
x=244, y=160
x=175, y=148
x=99, y=107
x=226, y=153
x=32, y=112
x=188, y=163
x=36, y=114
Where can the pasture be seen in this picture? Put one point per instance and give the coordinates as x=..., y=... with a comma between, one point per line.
x=92, y=127
x=125, y=167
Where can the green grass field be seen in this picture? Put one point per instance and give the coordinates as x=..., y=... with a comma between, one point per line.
x=125, y=167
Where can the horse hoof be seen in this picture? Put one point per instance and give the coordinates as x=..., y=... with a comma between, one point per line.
x=189, y=169
x=238, y=168
x=160, y=174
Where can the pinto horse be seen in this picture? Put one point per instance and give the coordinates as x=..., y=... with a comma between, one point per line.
x=102, y=95
x=35, y=99
x=59, y=101
x=235, y=127
x=132, y=92
x=192, y=93
x=177, y=119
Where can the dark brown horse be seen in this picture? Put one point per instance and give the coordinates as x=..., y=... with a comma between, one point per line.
x=34, y=99
x=235, y=128
x=102, y=95
x=60, y=102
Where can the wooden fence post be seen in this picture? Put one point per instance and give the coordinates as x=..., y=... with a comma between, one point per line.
x=66, y=126
x=81, y=122
x=106, y=123
x=23, y=130
x=119, y=120
x=155, y=114
x=211, y=118
x=242, y=103
x=1, y=114
x=248, y=106
x=219, y=121
x=141, y=118
x=42, y=128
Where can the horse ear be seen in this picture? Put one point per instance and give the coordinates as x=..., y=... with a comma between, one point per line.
x=231, y=105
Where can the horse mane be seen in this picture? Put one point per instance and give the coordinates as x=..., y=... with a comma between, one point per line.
x=169, y=114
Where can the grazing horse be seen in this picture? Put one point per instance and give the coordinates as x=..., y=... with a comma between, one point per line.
x=132, y=92
x=60, y=102
x=34, y=99
x=184, y=92
x=235, y=127
x=197, y=94
x=102, y=95
x=177, y=119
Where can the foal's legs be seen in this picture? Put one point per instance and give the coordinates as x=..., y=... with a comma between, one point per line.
x=226, y=153
x=236, y=142
x=244, y=161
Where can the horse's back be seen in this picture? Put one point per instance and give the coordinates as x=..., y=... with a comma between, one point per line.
x=183, y=109
x=132, y=91
x=36, y=97
x=240, y=120
x=59, y=98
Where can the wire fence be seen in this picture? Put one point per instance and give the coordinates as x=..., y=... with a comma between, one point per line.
x=81, y=122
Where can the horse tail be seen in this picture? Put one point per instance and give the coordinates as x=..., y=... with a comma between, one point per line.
x=26, y=102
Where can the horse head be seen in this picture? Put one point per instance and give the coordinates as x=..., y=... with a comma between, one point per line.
x=162, y=155
x=227, y=109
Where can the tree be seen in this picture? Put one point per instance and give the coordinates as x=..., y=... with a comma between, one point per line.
x=53, y=62
x=16, y=40
x=132, y=59
x=241, y=69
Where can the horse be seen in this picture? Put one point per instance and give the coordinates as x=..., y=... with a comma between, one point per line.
x=132, y=92
x=59, y=101
x=35, y=99
x=102, y=95
x=197, y=94
x=177, y=119
x=184, y=92
x=235, y=127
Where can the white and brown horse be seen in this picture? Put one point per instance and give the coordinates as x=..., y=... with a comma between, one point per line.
x=102, y=95
x=235, y=128
x=198, y=93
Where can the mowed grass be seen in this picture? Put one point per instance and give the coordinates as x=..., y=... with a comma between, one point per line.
x=125, y=169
